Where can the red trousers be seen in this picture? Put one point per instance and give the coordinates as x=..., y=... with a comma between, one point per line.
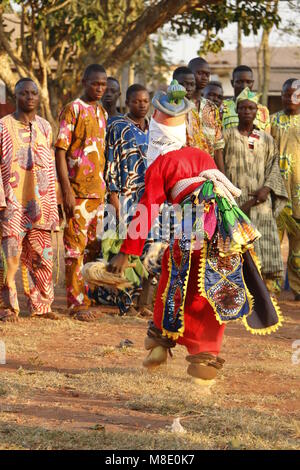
x=202, y=332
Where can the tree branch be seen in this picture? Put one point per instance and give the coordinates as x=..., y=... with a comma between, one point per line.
x=7, y=47
x=6, y=73
x=57, y=7
x=152, y=18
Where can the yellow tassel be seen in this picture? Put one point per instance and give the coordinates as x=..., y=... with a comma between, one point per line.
x=25, y=279
x=3, y=272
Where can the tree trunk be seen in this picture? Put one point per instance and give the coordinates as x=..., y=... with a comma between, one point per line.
x=6, y=74
x=239, y=44
x=267, y=57
x=267, y=66
x=153, y=18
x=259, y=59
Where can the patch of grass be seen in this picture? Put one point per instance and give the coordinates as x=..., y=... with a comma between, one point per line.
x=3, y=390
x=212, y=428
x=98, y=378
x=35, y=438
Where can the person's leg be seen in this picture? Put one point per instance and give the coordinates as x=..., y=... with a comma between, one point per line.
x=37, y=258
x=95, y=209
x=294, y=263
x=10, y=259
x=157, y=344
x=80, y=246
x=202, y=332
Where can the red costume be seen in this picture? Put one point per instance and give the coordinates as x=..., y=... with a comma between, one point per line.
x=202, y=331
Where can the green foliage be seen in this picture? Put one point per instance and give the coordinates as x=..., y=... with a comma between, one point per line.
x=212, y=18
x=151, y=62
x=292, y=25
x=77, y=32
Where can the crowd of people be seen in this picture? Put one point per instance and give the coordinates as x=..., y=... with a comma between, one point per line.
x=103, y=156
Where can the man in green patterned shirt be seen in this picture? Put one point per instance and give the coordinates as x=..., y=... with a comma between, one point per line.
x=242, y=77
x=285, y=128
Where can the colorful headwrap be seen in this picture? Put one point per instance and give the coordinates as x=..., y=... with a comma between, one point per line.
x=249, y=95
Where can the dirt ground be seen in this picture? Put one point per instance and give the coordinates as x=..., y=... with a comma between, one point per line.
x=68, y=385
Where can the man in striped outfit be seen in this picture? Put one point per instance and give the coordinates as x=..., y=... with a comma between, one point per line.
x=28, y=205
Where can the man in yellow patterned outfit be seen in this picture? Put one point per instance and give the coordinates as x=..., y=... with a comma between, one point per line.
x=80, y=165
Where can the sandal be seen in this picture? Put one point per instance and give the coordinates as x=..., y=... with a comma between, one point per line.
x=48, y=315
x=8, y=316
x=84, y=315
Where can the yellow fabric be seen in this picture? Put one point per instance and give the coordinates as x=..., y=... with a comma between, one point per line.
x=285, y=130
x=248, y=95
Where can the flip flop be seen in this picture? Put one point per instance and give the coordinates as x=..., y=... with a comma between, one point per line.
x=84, y=315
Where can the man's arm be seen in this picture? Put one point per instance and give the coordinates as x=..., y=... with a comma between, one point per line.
x=2, y=194
x=219, y=160
x=114, y=201
x=67, y=123
x=112, y=169
x=219, y=142
x=68, y=196
x=150, y=202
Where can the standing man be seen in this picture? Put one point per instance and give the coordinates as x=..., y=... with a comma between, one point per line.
x=208, y=113
x=80, y=165
x=28, y=205
x=110, y=99
x=126, y=164
x=285, y=128
x=127, y=143
x=194, y=131
x=251, y=164
x=214, y=92
x=242, y=77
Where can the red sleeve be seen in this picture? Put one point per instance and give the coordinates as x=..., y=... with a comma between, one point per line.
x=159, y=180
x=147, y=210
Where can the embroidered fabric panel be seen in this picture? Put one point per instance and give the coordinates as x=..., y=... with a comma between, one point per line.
x=220, y=278
x=224, y=285
x=174, y=296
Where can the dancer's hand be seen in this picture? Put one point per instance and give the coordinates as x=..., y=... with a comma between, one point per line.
x=118, y=263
